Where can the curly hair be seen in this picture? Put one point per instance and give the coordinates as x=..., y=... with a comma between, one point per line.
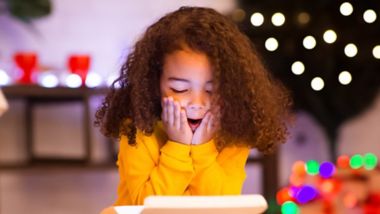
x=253, y=106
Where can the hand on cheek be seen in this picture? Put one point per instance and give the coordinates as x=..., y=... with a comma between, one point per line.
x=206, y=130
x=175, y=122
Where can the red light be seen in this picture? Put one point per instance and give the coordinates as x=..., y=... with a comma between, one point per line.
x=343, y=161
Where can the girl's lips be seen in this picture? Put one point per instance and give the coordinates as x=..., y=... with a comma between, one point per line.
x=194, y=124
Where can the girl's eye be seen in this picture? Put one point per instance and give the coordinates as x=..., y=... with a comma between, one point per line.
x=178, y=91
x=209, y=92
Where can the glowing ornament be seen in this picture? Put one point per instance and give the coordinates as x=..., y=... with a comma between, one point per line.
x=284, y=195
x=370, y=161
x=290, y=207
x=327, y=169
x=299, y=168
x=306, y=194
x=312, y=167
x=343, y=161
x=356, y=161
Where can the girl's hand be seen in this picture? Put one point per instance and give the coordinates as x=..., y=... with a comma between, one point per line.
x=206, y=130
x=175, y=122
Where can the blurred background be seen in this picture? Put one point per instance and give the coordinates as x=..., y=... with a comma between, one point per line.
x=58, y=57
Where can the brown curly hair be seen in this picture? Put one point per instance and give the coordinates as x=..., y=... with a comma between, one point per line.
x=253, y=106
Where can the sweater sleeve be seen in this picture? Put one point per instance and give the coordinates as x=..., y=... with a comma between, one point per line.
x=218, y=173
x=141, y=175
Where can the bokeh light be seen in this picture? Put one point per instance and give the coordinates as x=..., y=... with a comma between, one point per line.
x=343, y=161
x=299, y=168
x=346, y=8
x=350, y=50
x=48, y=80
x=303, y=18
x=257, y=19
x=370, y=161
x=4, y=78
x=278, y=19
x=271, y=44
x=73, y=81
x=317, y=84
x=312, y=167
x=327, y=169
x=369, y=16
x=93, y=80
x=298, y=68
x=345, y=78
x=356, y=161
x=306, y=194
x=329, y=36
x=290, y=207
x=376, y=52
x=309, y=42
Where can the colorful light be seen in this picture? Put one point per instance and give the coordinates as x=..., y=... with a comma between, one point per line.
x=329, y=186
x=296, y=180
x=370, y=161
x=306, y=194
x=312, y=167
x=327, y=169
x=356, y=161
x=343, y=161
x=299, y=168
x=283, y=195
x=290, y=207
x=350, y=200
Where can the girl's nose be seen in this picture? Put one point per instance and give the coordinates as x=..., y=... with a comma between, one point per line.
x=198, y=102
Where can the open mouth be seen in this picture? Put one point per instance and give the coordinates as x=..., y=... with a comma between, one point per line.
x=194, y=123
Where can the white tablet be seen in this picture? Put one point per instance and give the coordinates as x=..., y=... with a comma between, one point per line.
x=240, y=204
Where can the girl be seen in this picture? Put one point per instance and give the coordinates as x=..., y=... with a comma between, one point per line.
x=194, y=97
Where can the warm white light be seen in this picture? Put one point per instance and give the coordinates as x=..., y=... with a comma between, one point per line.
x=93, y=80
x=329, y=36
x=257, y=19
x=4, y=78
x=350, y=50
x=271, y=44
x=309, y=42
x=278, y=19
x=298, y=68
x=346, y=9
x=317, y=84
x=376, y=51
x=48, y=80
x=345, y=77
x=73, y=81
x=369, y=16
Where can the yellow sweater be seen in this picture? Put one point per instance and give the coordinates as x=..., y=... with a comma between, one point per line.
x=157, y=166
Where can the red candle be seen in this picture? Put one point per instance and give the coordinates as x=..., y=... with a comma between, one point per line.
x=80, y=64
x=27, y=62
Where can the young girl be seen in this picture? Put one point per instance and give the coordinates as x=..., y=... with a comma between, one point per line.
x=194, y=97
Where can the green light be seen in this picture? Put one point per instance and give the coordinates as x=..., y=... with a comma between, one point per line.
x=356, y=161
x=370, y=161
x=312, y=167
x=289, y=207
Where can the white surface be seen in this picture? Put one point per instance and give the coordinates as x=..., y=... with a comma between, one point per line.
x=237, y=204
x=129, y=209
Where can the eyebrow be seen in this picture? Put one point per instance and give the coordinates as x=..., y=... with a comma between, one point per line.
x=183, y=80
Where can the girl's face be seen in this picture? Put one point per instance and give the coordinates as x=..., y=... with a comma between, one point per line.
x=187, y=77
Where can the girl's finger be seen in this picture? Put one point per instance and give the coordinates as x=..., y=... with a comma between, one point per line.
x=177, y=115
x=205, y=121
x=183, y=119
x=164, y=115
x=170, y=111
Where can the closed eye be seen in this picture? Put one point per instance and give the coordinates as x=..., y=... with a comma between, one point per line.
x=178, y=91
